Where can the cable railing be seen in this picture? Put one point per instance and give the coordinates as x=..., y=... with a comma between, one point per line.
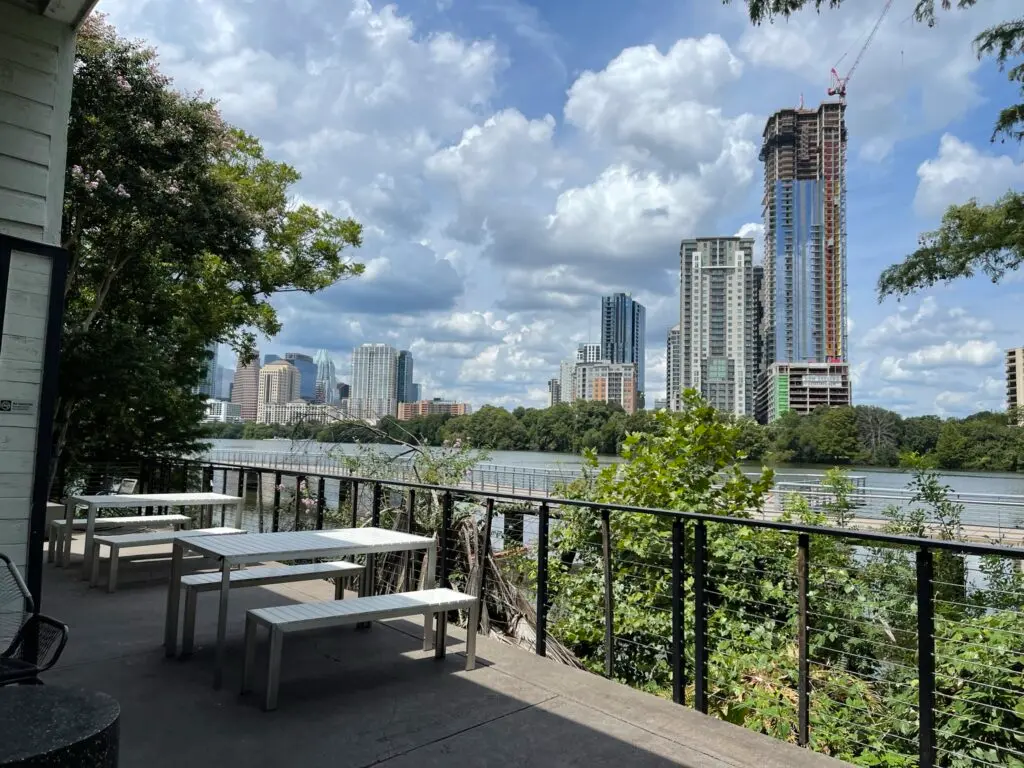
x=876, y=648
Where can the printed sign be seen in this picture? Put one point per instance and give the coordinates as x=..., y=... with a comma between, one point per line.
x=18, y=407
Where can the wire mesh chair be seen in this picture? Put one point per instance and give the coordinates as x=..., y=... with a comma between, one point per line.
x=33, y=642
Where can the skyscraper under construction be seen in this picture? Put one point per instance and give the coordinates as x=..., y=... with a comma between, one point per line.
x=804, y=293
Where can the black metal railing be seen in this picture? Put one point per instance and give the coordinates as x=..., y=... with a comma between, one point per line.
x=858, y=643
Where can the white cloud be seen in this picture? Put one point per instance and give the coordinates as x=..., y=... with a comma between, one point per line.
x=908, y=329
x=959, y=172
x=970, y=353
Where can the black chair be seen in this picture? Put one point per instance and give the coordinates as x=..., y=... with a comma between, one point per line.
x=33, y=642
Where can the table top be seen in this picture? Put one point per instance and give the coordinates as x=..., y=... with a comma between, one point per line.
x=41, y=719
x=255, y=547
x=155, y=499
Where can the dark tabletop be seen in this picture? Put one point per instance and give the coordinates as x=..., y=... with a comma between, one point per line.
x=37, y=720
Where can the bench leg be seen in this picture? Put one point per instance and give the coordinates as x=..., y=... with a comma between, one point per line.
x=428, y=631
x=339, y=588
x=249, y=660
x=112, y=575
x=441, y=635
x=471, y=630
x=51, y=545
x=273, y=668
x=188, y=629
x=92, y=555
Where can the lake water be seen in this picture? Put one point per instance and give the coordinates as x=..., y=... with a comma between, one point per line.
x=1002, y=483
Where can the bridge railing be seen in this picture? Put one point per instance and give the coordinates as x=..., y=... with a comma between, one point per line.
x=871, y=647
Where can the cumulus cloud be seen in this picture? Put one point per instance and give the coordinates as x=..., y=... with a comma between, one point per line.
x=909, y=328
x=959, y=172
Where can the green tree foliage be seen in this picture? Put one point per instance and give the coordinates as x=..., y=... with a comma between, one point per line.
x=179, y=231
x=862, y=640
x=973, y=238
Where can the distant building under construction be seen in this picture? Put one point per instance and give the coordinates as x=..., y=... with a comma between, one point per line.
x=804, y=292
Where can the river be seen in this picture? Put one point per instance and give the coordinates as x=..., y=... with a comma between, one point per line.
x=1001, y=483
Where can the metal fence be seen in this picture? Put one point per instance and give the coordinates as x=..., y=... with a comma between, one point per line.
x=875, y=648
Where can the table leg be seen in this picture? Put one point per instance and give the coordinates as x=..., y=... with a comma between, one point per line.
x=222, y=622
x=238, y=512
x=64, y=551
x=173, y=595
x=90, y=530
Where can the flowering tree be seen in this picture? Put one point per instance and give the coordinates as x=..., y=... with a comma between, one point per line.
x=179, y=230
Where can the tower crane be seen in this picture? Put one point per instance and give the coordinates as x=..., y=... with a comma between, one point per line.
x=838, y=84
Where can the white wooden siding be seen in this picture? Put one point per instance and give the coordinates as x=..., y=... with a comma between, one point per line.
x=36, y=61
x=21, y=358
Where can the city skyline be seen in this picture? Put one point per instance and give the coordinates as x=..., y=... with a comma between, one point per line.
x=539, y=189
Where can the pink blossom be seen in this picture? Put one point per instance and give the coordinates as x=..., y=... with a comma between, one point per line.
x=121, y=191
x=76, y=171
x=123, y=84
x=91, y=185
x=279, y=487
x=99, y=176
x=173, y=188
x=309, y=502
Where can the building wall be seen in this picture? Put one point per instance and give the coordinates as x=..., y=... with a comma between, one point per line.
x=607, y=382
x=673, y=390
x=279, y=384
x=420, y=408
x=306, y=367
x=1015, y=381
x=405, y=384
x=623, y=331
x=374, y=381
x=718, y=322
x=245, y=388
x=36, y=59
x=566, y=377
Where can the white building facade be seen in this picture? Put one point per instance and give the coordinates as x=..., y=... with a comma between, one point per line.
x=374, y=383
x=279, y=384
x=718, y=314
x=223, y=412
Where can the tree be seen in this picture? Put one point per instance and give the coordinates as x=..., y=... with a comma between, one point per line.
x=972, y=238
x=179, y=230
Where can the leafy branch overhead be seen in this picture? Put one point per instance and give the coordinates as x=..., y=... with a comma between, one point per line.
x=180, y=230
x=972, y=238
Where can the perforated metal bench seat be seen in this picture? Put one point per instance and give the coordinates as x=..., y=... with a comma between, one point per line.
x=117, y=542
x=301, y=617
x=259, y=576
x=58, y=528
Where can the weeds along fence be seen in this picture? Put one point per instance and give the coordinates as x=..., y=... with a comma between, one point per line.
x=875, y=648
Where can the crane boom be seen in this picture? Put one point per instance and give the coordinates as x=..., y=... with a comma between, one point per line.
x=838, y=85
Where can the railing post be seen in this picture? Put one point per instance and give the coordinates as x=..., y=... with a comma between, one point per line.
x=485, y=558
x=184, y=476
x=410, y=513
x=700, y=616
x=925, y=658
x=299, y=482
x=275, y=520
x=223, y=490
x=320, y=491
x=678, y=649
x=355, y=503
x=609, y=604
x=375, y=506
x=446, y=522
x=803, y=558
x=542, y=580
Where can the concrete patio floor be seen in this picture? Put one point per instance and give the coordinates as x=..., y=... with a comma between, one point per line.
x=366, y=697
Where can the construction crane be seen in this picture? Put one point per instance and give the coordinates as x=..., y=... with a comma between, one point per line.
x=838, y=85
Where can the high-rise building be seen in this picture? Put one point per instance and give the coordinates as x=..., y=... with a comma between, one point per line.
x=718, y=297
x=279, y=385
x=566, y=377
x=326, y=378
x=588, y=353
x=804, y=203
x=306, y=367
x=343, y=390
x=608, y=382
x=246, y=386
x=417, y=392
x=271, y=358
x=374, y=381
x=1015, y=383
x=672, y=370
x=623, y=327
x=405, y=382
x=208, y=384
x=554, y=392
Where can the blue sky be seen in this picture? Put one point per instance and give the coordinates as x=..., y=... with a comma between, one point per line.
x=512, y=162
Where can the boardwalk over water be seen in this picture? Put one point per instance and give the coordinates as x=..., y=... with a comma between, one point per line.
x=987, y=518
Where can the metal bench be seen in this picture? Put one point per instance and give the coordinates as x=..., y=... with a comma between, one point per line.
x=55, y=548
x=259, y=576
x=306, y=616
x=127, y=540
